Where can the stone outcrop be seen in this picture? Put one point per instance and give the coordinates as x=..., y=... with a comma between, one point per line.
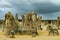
x=10, y=22
x=58, y=22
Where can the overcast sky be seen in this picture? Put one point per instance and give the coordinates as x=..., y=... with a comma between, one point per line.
x=48, y=9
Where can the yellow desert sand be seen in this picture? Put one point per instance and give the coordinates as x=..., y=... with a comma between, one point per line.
x=42, y=36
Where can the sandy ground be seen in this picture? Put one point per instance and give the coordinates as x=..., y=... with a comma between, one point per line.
x=42, y=36
x=27, y=37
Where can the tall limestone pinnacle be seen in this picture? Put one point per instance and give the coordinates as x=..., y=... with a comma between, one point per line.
x=40, y=19
x=9, y=22
x=34, y=16
x=16, y=16
x=58, y=21
x=23, y=20
x=28, y=18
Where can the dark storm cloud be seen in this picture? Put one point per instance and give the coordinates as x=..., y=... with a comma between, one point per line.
x=40, y=7
x=46, y=8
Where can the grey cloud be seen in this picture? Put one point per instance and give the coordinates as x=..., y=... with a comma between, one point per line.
x=46, y=8
x=23, y=6
x=43, y=7
x=5, y=5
